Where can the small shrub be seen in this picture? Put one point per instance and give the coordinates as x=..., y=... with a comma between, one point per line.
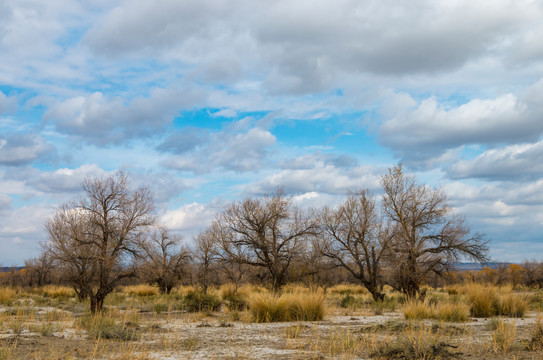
x=504, y=336
x=191, y=343
x=235, y=302
x=102, y=327
x=388, y=304
x=416, y=343
x=348, y=301
x=196, y=301
x=160, y=307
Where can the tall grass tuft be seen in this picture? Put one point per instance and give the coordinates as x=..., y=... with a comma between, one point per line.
x=536, y=340
x=56, y=291
x=487, y=300
x=452, y=312
x=6, y=295
x=140, y=290
x=512, y=305
x=287, y=307
x=504, y=336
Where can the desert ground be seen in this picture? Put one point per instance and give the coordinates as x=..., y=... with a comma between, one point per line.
x=139, y=323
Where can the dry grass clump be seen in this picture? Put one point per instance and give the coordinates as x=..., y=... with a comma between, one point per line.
x=57, y=291
x=183, y=290
x=416, y=343
x=105, y=327
x=7, y=294
x=287, y=307
x=344, y=289
x=140, y=290
x=488, y=300
x=504, y=336
x=453, y=312
x=536, y=340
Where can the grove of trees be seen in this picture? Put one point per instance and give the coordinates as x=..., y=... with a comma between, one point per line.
x=402, y=238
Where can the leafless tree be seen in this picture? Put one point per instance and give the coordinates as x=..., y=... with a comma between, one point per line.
x=164, y=259
x=268, y=233
x=205, y=255
x=95, y=238
x=428, y=236
x=38, y=270
x=355, y=237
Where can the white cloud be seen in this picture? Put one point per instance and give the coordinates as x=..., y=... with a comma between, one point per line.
x=514, y=162
x=101, y=120
x=233, y=149
x=320, y=178
x=190, y=218
x=428, y=129
x=20, y=148
x=7, y=103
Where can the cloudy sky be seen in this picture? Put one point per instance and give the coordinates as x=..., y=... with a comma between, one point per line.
x=212, y=100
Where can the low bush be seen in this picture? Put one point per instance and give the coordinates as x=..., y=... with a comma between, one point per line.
x=103, y=327
x=416, y=343
x=197, y=301
x=235, y=302
x=536, y=340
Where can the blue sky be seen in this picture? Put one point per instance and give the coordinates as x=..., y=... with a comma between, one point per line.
x=207, y=101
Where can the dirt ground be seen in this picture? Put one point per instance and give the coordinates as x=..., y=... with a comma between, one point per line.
x=177, y=335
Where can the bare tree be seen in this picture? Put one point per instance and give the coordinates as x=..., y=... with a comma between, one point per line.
x=96, y=237
x=268, y=233
x=164, y=259
x=354, y=236
x=428, y=236
x=205, y=254
x=38, y=270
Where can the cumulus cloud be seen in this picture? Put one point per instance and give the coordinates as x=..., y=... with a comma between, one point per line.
x=303, y=54
x=421, y=131
x=100, y=119
x=19, y=148
x=60, y=181
x=320, y=178
x=232, y=149
x=190, y=218
x=514, y=162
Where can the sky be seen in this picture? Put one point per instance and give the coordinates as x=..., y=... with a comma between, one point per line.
x=212, y=101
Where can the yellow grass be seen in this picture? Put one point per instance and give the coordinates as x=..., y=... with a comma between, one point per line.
x=344, y=289
x=6, y=294
x=140, y=290
x=487, y=300
x=57, y=291
x=444, y=311
x=287, y=307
